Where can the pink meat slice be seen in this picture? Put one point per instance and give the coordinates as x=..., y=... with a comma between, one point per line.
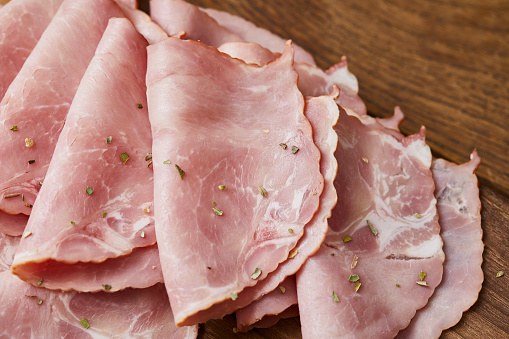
x=223, y=125
x=248, y=31
x=96, y=201
x=274, y=306
x=322, y=113
x=8, y=246
x=38, y=99
x=385, y=180
x=22, y=23
x=29, y=311
x=459, y=209
x=151, y=31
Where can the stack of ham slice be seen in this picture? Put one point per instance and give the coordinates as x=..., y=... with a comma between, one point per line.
x=202, y=162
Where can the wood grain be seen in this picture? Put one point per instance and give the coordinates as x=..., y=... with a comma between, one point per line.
x=446, y=63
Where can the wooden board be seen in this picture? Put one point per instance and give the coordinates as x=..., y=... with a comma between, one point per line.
x=446, y=63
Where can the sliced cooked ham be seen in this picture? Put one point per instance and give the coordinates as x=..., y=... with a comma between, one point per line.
x=95, y=206
x=274, y=306
x=248, y=31
x=151, y=31
x=38, y=99
x=28, y=311
x=8, y=246
x=16, y=40
x=459, y=208
x=387, y=181
x=322, y=113
x=223, y=125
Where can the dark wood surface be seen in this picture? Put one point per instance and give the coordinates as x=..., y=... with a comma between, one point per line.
x=446, y=63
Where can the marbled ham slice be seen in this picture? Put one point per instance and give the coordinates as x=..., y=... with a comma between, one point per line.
x=16, y=40
x=274, y=306
x=459, y=208
x=151, y=31
x=75, y=233
x=133, y=313
x=322, y=113
x=385, y=180
x=38, y=99
x=8, y=246
x=223, y=125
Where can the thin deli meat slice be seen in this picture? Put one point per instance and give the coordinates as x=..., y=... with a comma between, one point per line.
x=382, y=257
x=33, y=110
x=272, y=307
x=232, y=144
x=22, y=23
x=34, y=312
x=8, y=246
x=459, y=209
x=322, y=112
x=96, y=201
x=151, y=31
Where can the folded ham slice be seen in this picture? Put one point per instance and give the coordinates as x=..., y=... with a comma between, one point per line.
x=8, y=246
x=34, y=108
x=236, y=125
x=459, y=208
x=151, y=31
x=366, y=280
x=95, y=206
x=31, y=312
x=16, y=40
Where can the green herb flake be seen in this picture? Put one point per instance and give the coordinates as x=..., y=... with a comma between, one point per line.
x=106, y=287
x=357, y=285
x=314, y=193
x=422, y=283
x=13, y=195
x=124, y=157
x=347, y=238
x=39, y=282
x=234, y=296
x=418, y=216
x=295, y=149
x=148, y=157
x=372, y=228
x=335, y=297
x=290, y=230
x=89, y=191
x=214, y=203
x=40, y=183
x=217, y=211
x=222, y=187
x=500, y=274
x=353, y=278
x=39, y=302
x=105, y=214
x=256, y=273
x=292, y=254
x=167, y=161
x=422, y=275
x=84, y=323
x=30, y=296
x=235, y=330
x=73, y=223
x=29, y=205
x=140, y=106
x=108, y=139
x=283, y=145
x=181, y=172
x=262, y=191
x=281, y=289
x=22, y=197
x=14, y=128
x=30, y=162
x=398, y=285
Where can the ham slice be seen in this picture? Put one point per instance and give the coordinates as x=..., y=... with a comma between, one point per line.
x=459, y=208
x=38, y=99
x=29, y=311
x=274, y=306
x=385, y=180
x=8, y=246
x=16, y=41
x=248, y=31
x=223, y=125
x=151, y=31
x=322, y=113
x=95, y=206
